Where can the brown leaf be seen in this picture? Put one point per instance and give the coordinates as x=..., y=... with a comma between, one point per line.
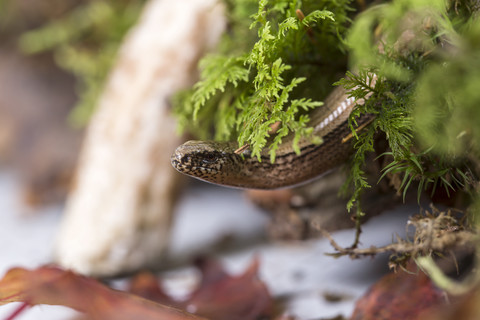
x=219, y=295
x=54, y=286
x=243, y=297
x=146, y=285
x=399, y=296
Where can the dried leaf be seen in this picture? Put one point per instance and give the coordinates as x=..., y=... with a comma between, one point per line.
x=146, y=285
x=399, y=296
x=54, y=286
x=225, y=297
x=219, y=295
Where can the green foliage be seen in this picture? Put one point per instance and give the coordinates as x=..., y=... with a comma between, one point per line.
x=85, y=42
x=450, y=98
x=403, y=28
x=3, y=5
x=269, y=75
x=427, y=92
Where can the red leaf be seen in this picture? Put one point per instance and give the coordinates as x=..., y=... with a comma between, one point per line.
x=244, y=297
x=51, y=285
x=399, y=296
x=146, y=285
x=219, y=296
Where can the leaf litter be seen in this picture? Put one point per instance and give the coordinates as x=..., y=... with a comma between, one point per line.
x=218, y=296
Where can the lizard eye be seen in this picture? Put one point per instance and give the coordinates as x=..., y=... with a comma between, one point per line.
x=209, y=158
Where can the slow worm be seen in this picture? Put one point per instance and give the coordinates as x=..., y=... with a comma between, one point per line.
x=217, y=162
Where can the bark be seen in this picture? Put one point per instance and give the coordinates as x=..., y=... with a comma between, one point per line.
x=118, y=215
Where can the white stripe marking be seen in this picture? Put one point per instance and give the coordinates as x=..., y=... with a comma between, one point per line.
x=339, y=110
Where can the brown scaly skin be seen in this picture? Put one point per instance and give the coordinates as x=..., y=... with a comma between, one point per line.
x=216, y=162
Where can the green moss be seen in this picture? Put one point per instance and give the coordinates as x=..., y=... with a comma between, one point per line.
x=426, y=105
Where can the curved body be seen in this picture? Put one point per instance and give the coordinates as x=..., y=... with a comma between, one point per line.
x=216, y=162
